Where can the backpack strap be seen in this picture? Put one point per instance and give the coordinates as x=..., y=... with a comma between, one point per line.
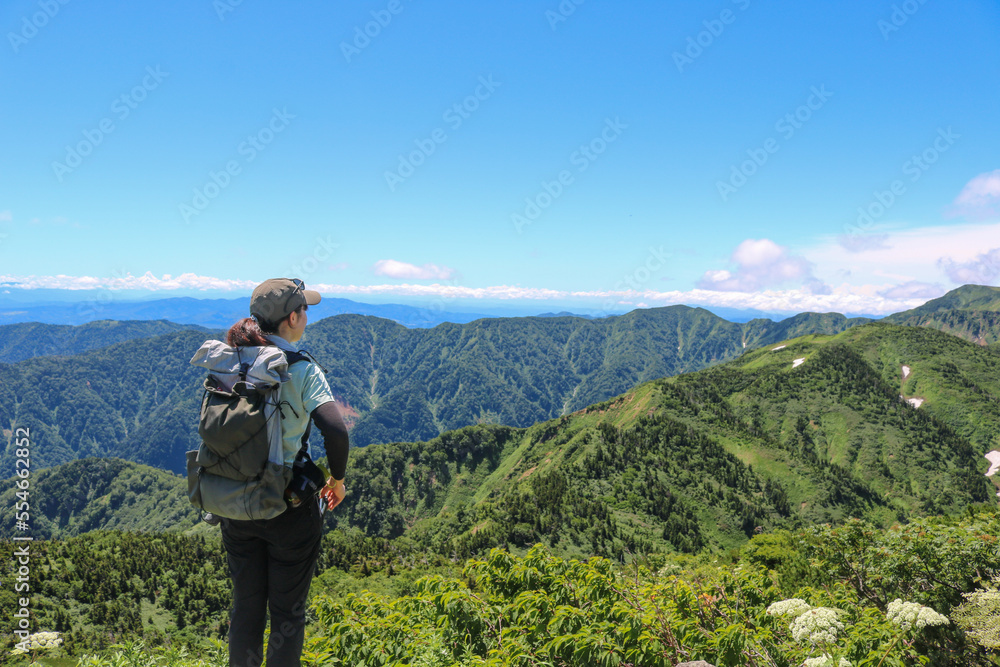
x=306, y=355
x=294, y=358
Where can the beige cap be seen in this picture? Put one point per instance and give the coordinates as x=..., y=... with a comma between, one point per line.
x=274, y=299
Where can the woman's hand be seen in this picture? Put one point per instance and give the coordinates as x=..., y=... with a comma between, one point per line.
x=333, y=493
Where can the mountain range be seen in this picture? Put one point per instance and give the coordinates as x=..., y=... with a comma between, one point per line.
x=137, y=398
x=33, y=339
x=814, y=429
x=722, y=431
x=210, y=313
x=817, y=430
x=971, y=312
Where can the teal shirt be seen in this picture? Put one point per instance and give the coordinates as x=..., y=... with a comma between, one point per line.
x=304, y=392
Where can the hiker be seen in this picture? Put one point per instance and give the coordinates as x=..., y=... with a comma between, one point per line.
x=271, y=561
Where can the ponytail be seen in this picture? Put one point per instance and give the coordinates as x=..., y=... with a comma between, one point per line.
x=246, y=333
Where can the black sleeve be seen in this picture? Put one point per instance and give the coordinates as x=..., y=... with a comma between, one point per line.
x=329, y=422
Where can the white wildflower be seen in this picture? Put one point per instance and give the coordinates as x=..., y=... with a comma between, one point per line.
x=669, y=569
x=40, y=641
x=818, y=625
x=791, y=607
x=825, y=661
x=911, y=614
x=979, y=615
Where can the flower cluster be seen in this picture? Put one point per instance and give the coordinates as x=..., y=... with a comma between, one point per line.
x=40, y=641
x=668, y=570
x=792, y=607
x=979, y=615
x=818, y=625
x=911, y=614
x=825, y=661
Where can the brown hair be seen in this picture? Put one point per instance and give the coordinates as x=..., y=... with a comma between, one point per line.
x=246, y=333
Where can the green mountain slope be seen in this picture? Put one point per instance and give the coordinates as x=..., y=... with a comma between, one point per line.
x=105, y=586
x=97, y=494
x=978, y=326
x=138, y=399
x=33, y=339
x=766, y=331
x=706, y=458
x=971, y=312
x=701, y=459
x=966, y=297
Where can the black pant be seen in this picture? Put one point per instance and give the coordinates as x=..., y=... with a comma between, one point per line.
x=271, y=564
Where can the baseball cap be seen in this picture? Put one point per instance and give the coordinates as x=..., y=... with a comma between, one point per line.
x=274, y=299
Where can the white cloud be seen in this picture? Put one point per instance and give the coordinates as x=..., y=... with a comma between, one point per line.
x=922, y=254
x=863, y=242
x=394, y=269
x=913, y=290
x=127, y=281
x=870, y=299
x=980, y=197
x=759, y=264
x=981, y=270
x=851, y=299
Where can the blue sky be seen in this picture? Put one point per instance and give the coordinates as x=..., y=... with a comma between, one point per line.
x=592, y=155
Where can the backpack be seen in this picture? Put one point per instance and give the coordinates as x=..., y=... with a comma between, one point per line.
x=239, y=470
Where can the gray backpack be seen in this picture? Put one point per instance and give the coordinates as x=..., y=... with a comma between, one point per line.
x=239, y=472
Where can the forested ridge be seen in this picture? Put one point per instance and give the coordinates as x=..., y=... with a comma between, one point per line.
x=33, y=339
x=699, y=460
x=138, y=399
x=971, y=312
x=771, y=444
x=109, y=585
x=710, y=457
x=135, y=399
x=94, y=494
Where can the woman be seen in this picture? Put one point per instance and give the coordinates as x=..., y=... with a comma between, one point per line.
x=271, y=562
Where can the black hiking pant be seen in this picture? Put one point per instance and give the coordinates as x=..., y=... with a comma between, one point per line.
x=271, y=564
